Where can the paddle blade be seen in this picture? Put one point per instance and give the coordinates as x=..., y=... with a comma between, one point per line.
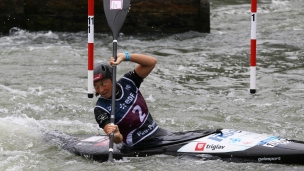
x=116, y=12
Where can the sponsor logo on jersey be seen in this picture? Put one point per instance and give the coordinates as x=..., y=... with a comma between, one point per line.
x=102, y=117
x=148, y=130
x=130, y=98
x=128, y=87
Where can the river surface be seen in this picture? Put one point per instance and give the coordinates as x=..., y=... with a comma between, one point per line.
x=201, y=81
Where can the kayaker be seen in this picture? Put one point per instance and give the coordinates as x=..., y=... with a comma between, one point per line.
x=134, y=124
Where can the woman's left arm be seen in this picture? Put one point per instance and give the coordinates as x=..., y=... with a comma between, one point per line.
x=145, y=63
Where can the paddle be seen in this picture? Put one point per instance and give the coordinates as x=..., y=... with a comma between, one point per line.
x=116, y=12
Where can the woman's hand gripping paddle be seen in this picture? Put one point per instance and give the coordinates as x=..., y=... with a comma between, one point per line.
x=116, y=12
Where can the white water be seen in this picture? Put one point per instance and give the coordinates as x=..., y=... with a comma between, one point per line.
x=201, y=81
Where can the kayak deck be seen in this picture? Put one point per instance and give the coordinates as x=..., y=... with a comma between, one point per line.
x=227, y=144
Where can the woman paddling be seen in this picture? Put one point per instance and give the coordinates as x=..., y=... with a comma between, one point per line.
x=134, y=124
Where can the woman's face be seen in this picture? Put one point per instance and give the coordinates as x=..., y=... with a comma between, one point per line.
x=104, y=87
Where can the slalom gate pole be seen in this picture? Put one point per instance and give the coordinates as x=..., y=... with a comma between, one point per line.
x=90, y=47
x=253, y=47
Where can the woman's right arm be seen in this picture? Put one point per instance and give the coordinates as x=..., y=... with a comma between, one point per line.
x=109, y=128
x=103, y=120
x=101, y=117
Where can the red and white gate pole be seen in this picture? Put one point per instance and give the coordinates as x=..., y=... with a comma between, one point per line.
x=253, y=47
x=90, y=47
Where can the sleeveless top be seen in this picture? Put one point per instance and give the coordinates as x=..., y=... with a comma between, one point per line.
x=131, y=113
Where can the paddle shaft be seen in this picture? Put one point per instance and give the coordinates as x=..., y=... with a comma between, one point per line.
x=111, y=143
x=116, y=13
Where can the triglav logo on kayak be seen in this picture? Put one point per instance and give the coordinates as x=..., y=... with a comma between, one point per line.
x=202, y=146
x=215, y=147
